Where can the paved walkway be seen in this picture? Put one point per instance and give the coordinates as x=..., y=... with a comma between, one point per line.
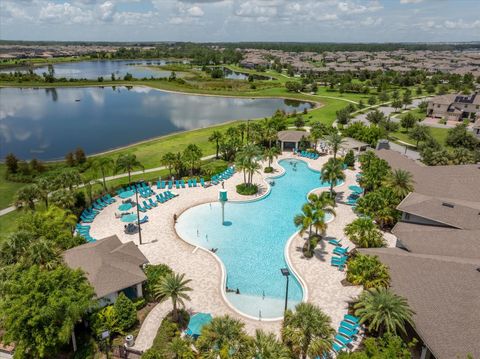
x=162, y=245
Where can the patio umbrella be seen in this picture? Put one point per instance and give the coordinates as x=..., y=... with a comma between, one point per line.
x=196, y=323
x=125, y=207
x=126, y=194
x=128, y=218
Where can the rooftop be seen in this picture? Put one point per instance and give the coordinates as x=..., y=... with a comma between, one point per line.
x=291, y=135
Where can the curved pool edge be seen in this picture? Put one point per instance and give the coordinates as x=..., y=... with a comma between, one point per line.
x=223, y=279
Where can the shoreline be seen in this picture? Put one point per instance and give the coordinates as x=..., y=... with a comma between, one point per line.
x=315, y=105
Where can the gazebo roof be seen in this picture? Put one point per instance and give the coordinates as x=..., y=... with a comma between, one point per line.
x=291, y=135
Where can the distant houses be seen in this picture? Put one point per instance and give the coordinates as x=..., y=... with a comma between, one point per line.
x=111, y=267
x=455, y=107
x=436, y=261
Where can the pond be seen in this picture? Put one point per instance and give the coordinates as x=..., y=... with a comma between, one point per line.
x=93, y=69
x=47, y=123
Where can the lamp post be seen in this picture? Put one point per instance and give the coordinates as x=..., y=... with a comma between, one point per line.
x=138, y=218
x=285, y=273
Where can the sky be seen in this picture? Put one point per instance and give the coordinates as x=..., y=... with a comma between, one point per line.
x=241, y=20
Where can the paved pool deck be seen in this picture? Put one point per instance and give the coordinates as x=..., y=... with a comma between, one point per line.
x=161, y=244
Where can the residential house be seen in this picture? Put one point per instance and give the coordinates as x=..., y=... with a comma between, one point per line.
x=455, y=107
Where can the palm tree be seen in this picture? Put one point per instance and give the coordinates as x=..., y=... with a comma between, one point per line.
x=332, y=172
x=14, y=247
x=26, y=196
x=42, y=253
x=68, y=178
x=88, y=185
x=322, y=204
x=307, y=331
x=192, y=154
x=364, y=233
x=380, y=205
x=104, y=165
x=63, y=199
x=269, y=131
x=44, y=187
x=242, y=130
x=168, y=160
x=267, y=346
x=335, y=141
x=247, y=160
x=305, y=221
x=400, y=182
x=127, y=163
x=270, y=154
x=216, y=137
x=173, y=286
x=367, y=270
x=383, y=311
x=224, y=337
x=180, y=348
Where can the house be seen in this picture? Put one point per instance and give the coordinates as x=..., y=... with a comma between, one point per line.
x=455, y=107
x=111, y=267
x=290, y=139
x=436, y=261
x=476, y=127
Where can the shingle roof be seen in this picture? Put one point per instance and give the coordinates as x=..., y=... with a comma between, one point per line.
x=291, y=135
x=444, y=292
x=450, y=213
x=442, y=241
x=109, y=264
x=446, y=182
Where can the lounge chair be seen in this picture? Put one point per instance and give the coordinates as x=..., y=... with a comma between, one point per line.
x=177, y=184
x=189, y=183
x=202, y=182
x=337, y=347
x=143, y=220
x=347, y=332
x=343, y=339
x=160, y=199
x=349, y=326
x=194, y=182
x=340, y=250
x=170, y=184
x=335, y=242
x=141, y=209
x=146, y=205
x=351, y=319
x=150, y=201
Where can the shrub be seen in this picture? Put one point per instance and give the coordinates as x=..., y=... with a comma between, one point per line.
x=152, y=354
x=247, y=189
x=268, y=170
x=154, y=274
x=125, y=312
x=12, y=163
x=367, y=271
x=349, y=159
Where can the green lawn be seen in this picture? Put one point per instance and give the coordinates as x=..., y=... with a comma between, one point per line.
x=440, y=134
x=8, y=224
x=7, y=188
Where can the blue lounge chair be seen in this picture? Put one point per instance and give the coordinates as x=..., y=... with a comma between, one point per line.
x=141, y=209
x=343, y=339
x=349, y=326
x=346, y=332
x=182, y=183
x=143, y=220
x=160, y=199
x=177, y=184
x=351, y=319
x=153, y=204
x=335, y=242
x=202, y=182
x=146, y=205
x=189, y=183
x=337, y=347
x=194, y=182
x=340, y=250
x=170, y=184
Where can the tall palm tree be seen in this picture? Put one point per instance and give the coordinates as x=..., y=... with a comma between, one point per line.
x=332, y=172
x=383, y=311
x=247, y=160
x=368, y=271
x=242, y=130
x=63, y=199
x=44, y=187
x=173, y=286
x=307, y=331
x=364, y=233
x=68, y=178
x=322, y=204
x=267, y=346
x=269, y=131
x=88, y=183
x=270, y=154
x=168, y=160
x=400, y=182
x=103, y=165
x=216, y=137
x=42, y=253
x=127, y=163
x=305, y=221
x=224, y=337
x=26, y=196
x=192, y=155
x=335, y=141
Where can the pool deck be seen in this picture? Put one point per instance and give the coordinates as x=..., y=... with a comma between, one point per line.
x=162, y=245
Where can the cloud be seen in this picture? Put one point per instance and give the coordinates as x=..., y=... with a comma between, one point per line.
x=410, y=1
x=107, y=10
x=356, y=8
x=195, y=11
x=64, y=13
x=460, y=24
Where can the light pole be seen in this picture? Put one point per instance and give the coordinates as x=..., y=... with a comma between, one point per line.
x=285, y=273
x=138, y=218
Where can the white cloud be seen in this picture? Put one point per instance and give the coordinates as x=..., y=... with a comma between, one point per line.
x=410, y=1
x=460, y=24
x=356, y=8
x=370, y=21
x=195, y=11
x=107, y=10
x=64, y=13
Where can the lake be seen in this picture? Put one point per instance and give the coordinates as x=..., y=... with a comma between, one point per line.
x=94, y=69
x=47, y=123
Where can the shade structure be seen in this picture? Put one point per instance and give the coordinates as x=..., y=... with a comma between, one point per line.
x=126, y=194
x=125, y=207
x=355, y=188
x=196, y=323
x=128, y=218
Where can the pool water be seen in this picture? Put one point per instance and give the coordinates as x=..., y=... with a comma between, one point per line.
x=252, y=242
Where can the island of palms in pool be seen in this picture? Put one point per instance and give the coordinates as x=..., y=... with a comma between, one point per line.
x=252, y=243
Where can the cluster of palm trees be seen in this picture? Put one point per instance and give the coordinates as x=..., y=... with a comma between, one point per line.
x=313, y=217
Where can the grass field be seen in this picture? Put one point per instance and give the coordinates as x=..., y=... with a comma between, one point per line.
x=440, y=134
x=7, y=188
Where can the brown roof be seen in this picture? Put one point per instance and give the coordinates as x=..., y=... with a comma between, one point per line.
x=450, y=213
x=458, y=182
x=444, y=99
x=444, y=292
x=442, y=241
x=109, y=264
x=291, y=135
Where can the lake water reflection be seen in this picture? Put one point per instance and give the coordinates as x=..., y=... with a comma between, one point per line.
x=47, y=123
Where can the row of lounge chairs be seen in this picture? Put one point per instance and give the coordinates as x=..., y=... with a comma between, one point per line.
x=216, y=179
x=306, y=154
x=90, y=213
x=159, y=198
x=84, y=231
x=341, y=252
x=142, y=188
x=347, y=332
x=192, y=182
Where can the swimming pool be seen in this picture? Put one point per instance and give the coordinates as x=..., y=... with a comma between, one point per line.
x=252, y=243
